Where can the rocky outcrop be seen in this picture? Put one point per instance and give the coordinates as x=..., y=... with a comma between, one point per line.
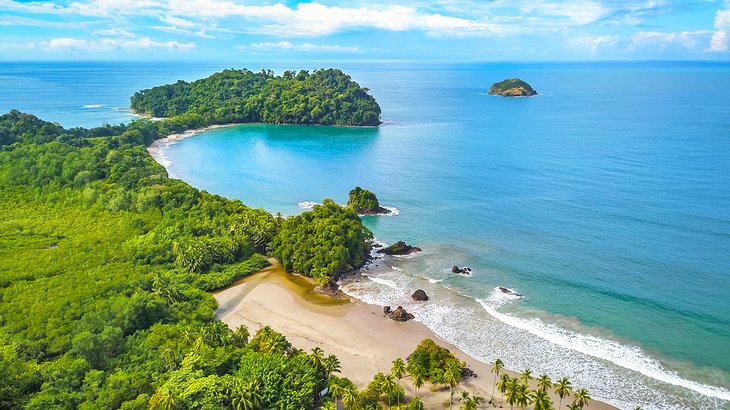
x=386, y=310
x=372, y=211
x=465, y=270
x=332, y=289
x=467, y=372
x=510, y=292
x=420, y=295
x=399, y=248
x=400, y=315
x=512, y=87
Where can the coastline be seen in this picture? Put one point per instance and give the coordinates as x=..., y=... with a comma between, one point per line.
x=363, y=339
x=154, y=147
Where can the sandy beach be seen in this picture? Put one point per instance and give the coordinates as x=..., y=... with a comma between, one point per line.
x=364, y=340
x=154, y=148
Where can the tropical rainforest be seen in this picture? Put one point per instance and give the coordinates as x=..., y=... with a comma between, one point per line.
x=325, y=97
x=105, y=264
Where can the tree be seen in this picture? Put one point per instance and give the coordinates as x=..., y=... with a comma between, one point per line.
x=526, y=376
x=452, y=375
x=512, y=392
x=336, y=391
x=563, y=388
x=544, y=382
x=317, y=358
x=503, y=385
x=332, y=365
x=540, y=400
x=522, y=398
x=470, y=402
x=418, y=376
x=497, y=368
x=388, y=387
x=398, y=371
x=349, y=399
x=163, y=399
x=581, y=397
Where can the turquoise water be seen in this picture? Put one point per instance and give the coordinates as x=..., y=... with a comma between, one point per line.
x=604, y=201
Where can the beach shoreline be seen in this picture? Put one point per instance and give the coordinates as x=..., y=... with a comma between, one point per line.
x=365, y=341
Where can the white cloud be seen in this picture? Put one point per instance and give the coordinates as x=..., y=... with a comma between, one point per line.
x=9, y=20
x=591, y=44
x=580, y=13
x=664, y=40
x=719, y=40
x=109, y=44
x=113, y=32
x=286, y=45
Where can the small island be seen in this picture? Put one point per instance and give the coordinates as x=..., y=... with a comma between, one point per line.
x=512, y=87
x=364, y=202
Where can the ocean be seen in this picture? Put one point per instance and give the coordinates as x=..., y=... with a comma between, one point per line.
x=604, y=201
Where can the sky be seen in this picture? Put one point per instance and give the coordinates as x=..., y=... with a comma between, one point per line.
x=450, y=30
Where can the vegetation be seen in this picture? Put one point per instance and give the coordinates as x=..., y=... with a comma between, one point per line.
x=323, y=242
x=326, y=96
x=363, y=201
x=512, y=87
x=105, y=264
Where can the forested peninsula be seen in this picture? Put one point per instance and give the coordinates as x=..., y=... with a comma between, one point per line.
x=324, y=97
x=105, y=268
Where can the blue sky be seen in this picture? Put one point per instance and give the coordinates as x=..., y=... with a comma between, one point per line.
x=458, y=30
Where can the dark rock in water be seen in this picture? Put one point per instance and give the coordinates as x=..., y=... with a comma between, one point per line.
x=512, y=87
x=510, y=292
x=386, y=310
x=467, y=372
x=465, y=270
x=399, y=248
x=400, y=315
x=420, y=295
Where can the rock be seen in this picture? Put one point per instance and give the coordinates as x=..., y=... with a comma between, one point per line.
x=331, y=289
x=400, y=315
x=386, y=310
x=420, y=295
x=512, y=87
x=510, y=292
x=399, y=248
x=465, y=270
x=467, y=372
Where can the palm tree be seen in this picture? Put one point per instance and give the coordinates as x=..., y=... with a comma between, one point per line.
x=245, y=396
x=349, y=399
x=398, y=370
x=503, y=386
x=452, y=375
x=418, y=378
x=317, y=358
x=573, y=407
x=388, y=386
x=581, y=397
x=332, y=365
x=522, y=397
x=336, y=391
x=470, y=402
x=511, y=392
x=562, y=389
x=497, y=368
x=544, y=382
x=526, y=376
x=541, y=400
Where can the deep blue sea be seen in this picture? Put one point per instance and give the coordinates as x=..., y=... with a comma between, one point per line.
x=605, y=201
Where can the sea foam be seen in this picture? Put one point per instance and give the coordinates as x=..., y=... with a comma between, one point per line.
x=629, y=357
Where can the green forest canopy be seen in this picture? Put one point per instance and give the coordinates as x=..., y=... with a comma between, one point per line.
x=325, y=97
x=105, y=264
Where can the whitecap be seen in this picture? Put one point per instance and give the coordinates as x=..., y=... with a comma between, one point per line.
x=92, y=106
x=434, y=280
x=307, y=204
x=393, y=211
x=629, y=357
